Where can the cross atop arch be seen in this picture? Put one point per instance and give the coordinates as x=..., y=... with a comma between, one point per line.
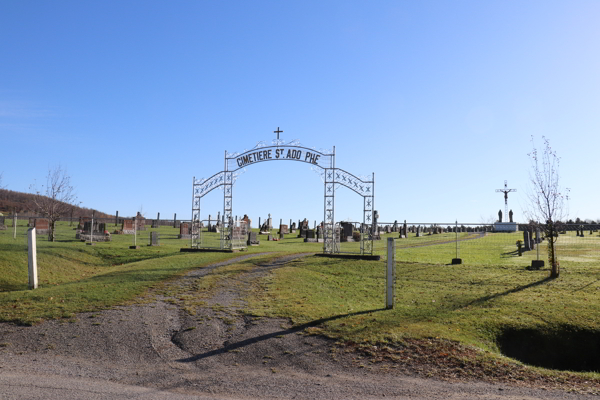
x=278, y=132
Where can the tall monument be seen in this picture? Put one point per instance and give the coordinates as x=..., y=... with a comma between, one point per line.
x=502, y=226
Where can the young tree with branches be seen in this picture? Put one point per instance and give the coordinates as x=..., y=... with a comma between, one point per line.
x=55, y=199
x=547, y=200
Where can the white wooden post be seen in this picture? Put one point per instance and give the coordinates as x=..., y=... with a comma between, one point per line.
x=391, y=272
x=92, y=230
x=31, y=241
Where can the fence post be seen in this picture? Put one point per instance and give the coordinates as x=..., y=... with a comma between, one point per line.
x=537, y=241
x=391, y=273
x=456, y=260
x=15, y=225
x=32, y=264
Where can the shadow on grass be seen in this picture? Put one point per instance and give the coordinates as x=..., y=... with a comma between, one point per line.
x=507, y=292
x=268, y=336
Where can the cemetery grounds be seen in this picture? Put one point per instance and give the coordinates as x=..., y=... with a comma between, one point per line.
x=451, y=322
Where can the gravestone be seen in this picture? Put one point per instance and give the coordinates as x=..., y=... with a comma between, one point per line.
x=41, y=226
x=2, y=225
x=252, y=239
x=31, y=223
x=128, y=227
x=240, y=232
x=102, y=227
x=175, y=220
x=293, y=227
x=82, y=221
x=311, y=236
x=283, y=229
x=264, y=229
x=346, y=231
x=388, y=229
x=87, y=227
x=140, y=222
x=270, y=222
x=269, y=236
x=184, y=231
x=303, y=226
x=395, y=226
x=419, y=234
x=356, y=236
x=154, y=239
x=526, y=241
x=248, y=221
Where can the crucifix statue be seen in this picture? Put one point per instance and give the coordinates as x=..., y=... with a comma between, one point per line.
x=506, y=191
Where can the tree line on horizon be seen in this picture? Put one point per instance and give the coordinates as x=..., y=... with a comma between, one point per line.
x=23, y=203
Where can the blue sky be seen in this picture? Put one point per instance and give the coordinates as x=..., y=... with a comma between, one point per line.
x=438, y=98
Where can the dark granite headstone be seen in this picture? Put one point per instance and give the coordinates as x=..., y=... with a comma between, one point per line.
x=346, y=230
x=283, y=229
x=252, y=239
x=310, y=234
x=264, y=229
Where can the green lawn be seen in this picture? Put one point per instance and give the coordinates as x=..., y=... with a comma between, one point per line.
x=473, y=303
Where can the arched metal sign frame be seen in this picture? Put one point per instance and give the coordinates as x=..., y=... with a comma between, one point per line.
x=332, y=177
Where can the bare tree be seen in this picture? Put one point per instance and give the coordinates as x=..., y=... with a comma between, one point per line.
x=546, y=197
x=55, y=199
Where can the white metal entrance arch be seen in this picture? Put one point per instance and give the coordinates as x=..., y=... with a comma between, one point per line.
x=332, y=177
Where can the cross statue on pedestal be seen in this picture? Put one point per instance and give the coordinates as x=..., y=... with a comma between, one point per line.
x=506, y=191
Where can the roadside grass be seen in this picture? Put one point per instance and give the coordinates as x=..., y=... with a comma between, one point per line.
x=455, y=302
x=471, y=304
x=74, y=277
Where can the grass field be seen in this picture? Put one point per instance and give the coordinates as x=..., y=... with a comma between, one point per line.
x=480, y=302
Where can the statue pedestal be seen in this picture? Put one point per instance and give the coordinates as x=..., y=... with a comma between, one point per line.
x=506, y=227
